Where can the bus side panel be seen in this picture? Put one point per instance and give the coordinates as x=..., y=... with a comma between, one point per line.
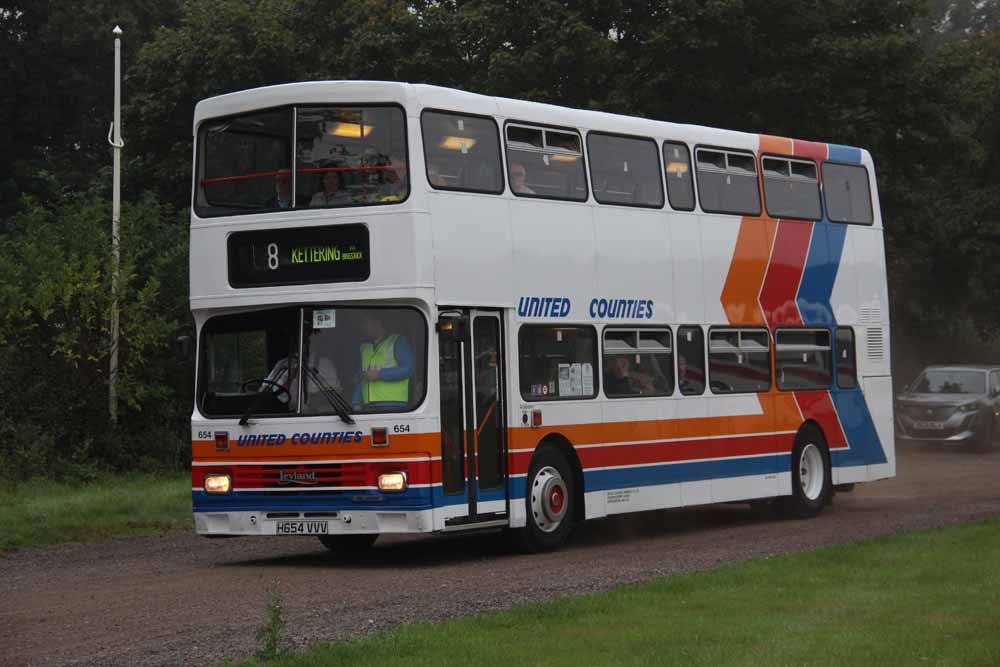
x=878, y=391
x=471, y=230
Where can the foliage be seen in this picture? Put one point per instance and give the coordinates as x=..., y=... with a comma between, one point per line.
x=270, y=635
x=55, y=294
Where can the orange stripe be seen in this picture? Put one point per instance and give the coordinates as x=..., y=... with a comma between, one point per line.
x=781, y=414
x=424, y=443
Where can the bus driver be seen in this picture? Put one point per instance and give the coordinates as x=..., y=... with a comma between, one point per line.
x=386, y=366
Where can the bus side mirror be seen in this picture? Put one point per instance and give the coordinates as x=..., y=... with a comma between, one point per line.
x=454, y=329
x=182, y=348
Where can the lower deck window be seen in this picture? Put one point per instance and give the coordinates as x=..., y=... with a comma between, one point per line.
x=557, y=362
x=638, y=362
x=739, y=361
x=802, y=359
x=847, y=366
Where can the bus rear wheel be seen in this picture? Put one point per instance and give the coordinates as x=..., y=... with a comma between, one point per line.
x=811, y=483
x=348, y=544
x=549, y=501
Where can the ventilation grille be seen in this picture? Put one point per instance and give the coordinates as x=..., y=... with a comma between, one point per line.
x=874, y=343
x=871, y=314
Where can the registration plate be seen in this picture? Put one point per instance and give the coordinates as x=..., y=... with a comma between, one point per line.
x=302, y=528
x=929, y=426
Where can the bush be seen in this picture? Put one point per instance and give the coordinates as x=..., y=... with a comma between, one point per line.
x=55, y=340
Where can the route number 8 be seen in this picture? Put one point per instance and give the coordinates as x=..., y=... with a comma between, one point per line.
x=272, y=256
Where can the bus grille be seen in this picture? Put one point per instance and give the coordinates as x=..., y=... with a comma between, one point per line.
x=300, y=477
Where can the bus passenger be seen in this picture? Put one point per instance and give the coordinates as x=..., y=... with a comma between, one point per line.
x=386, y=366
x=332, y=193
x=517, y=177
x=282, y=190
x=397, y=179
x=284, y=383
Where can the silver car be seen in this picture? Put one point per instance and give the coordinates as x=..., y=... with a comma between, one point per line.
x=952, y=405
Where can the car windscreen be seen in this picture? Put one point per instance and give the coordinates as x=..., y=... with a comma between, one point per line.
x=950, y=382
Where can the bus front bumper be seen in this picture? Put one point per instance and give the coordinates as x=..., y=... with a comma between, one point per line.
x=339, y=522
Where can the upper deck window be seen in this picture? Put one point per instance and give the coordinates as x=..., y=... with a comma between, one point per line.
x=625, y=170
x=339, y=155
x=545, y=163
x=462, y=152
x=791, y=188
x=727, y=182
x=848, y=197
x=350, y=155
x=680, y=186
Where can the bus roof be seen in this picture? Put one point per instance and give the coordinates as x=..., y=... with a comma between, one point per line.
x=420, y=96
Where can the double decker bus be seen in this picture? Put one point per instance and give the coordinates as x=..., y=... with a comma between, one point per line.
x=423, y=310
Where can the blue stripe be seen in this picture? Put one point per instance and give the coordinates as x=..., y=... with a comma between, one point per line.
x=604, y=480
x=820, y=273
x=840, y=153
x=856, y=418
x=411, y=499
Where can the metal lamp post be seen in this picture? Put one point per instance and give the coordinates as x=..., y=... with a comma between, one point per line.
x=117, y=143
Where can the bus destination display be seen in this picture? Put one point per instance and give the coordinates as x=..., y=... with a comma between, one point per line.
x=297, y=256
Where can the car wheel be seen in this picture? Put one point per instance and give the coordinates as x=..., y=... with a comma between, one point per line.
x=811, y=484
x=345, y=545
x=549, y=501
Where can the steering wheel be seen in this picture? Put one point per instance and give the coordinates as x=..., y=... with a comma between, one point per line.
x=279, y=388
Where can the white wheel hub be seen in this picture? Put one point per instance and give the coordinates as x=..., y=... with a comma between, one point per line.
x=548, y=499
x=811, y=472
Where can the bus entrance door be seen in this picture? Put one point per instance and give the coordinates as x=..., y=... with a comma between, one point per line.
x=473, y=437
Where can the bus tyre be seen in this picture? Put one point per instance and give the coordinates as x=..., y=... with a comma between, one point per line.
x=549, y=501
x=811, y=483
x=346, y=545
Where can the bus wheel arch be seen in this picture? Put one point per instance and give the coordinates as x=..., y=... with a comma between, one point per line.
x=553, y=482
x=812, y=482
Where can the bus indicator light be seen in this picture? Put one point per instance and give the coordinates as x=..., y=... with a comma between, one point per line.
x=536, y=418
x=221, y=441
x=380, y=437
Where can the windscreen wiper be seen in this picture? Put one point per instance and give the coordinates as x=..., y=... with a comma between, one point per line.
x=252, y=408
x=333, y=397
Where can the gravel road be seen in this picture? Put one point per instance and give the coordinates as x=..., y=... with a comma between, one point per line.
x=181, y=599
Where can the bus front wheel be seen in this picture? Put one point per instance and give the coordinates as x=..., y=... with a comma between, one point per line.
x=811, y=483
x=549, y=501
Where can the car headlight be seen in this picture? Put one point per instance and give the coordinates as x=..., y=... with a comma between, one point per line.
x=968, y=407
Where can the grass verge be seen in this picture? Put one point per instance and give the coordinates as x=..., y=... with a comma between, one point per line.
x=921, y=598
x=42, y=513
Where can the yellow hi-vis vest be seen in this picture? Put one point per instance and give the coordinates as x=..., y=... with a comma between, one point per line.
x=383, y=356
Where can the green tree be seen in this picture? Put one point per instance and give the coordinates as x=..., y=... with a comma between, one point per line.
x=55, y=296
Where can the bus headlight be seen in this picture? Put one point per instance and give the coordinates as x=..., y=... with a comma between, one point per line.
x=218, y=484
x=392, y=482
